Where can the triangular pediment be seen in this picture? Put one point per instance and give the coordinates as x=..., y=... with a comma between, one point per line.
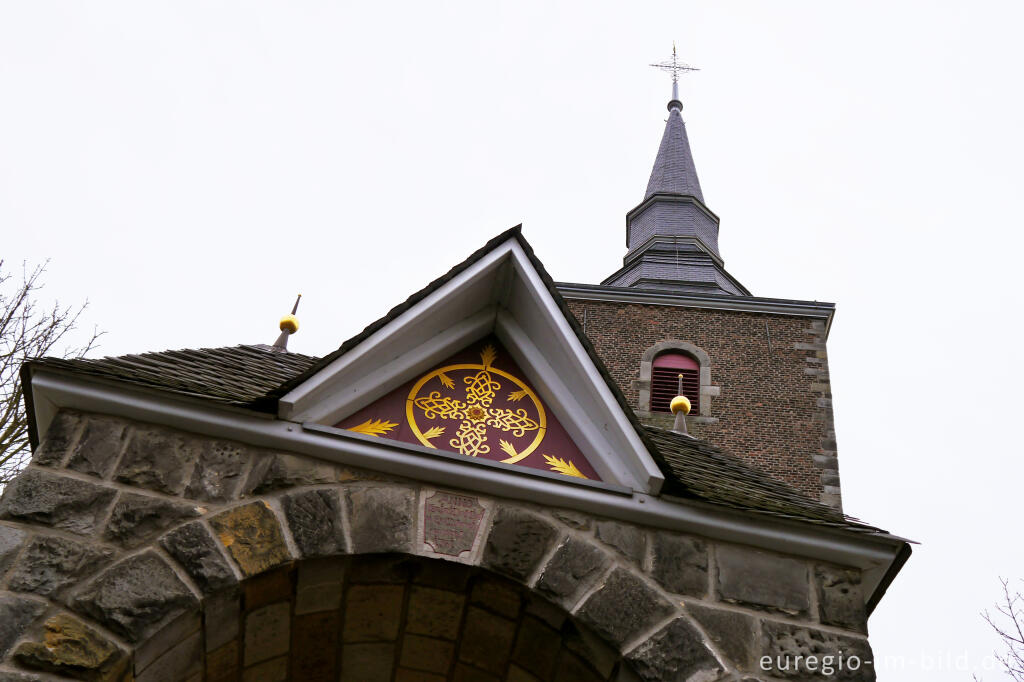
x=499, y=298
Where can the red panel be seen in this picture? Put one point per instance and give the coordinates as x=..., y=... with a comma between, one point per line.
x=477, y=407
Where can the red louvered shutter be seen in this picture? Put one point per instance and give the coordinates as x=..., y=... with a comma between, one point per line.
x=665, y=381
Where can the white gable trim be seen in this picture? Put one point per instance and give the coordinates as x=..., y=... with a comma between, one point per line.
x=501, y=293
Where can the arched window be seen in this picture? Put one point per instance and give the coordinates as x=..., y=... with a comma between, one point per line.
x=665, y=373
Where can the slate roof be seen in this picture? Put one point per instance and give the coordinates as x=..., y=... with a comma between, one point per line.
x=239, y=375
x=254, y=377
x=674, y=171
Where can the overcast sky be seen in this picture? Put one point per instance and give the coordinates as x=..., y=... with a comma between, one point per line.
x=190, y=166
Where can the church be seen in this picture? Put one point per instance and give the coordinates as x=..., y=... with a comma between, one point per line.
x=504, y=479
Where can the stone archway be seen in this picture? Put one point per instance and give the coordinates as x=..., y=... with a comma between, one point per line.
x=377, y=618
x=128, y=549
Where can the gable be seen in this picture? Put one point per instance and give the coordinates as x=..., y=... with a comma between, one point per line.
x=500, y=291
x=478, y=403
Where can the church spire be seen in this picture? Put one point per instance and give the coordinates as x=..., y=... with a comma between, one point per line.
x=672, y=236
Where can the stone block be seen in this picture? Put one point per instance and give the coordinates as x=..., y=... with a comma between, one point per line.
x=782, y=643
x=589, y=647
x=134, y=595
x=315, y=641
x=168, y=637
x=464, y=673
x=11, y=541
x=381, y=519
x=733, y=633
x=59, y=437
x=319, y=586
x=50, y=565
x=99, y=446
x=628, y=540
x=536, y=648
x=680, y=564
x=497, y=594
x=222, y=663
x=275, y=670
x=373, y=613
x=252, y=536
x=763, y=580
x=840, y=597
x=53, y=500
x=267, y=632
x=571, y=570
x=624, y=606
x=487, y=640
x=407, y=675
x=158, y=459
x=676, y=652
x=314, y=518
x=573, y=519
x=16, y=614
x=138, y=518
x=433, y=612
x=220, y=617
x=182, y=662
x=368, y=662
x=425, y=653
x=268, y=587
x=277, y=471
x=71, y=648
x=517, y=542
x=572, y=668
x=218, y=471
x=196, y=551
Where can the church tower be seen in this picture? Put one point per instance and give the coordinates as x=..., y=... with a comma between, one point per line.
x=672, y=236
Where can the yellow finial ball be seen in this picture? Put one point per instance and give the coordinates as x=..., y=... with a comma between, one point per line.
x=680, y=402
x=290, y=324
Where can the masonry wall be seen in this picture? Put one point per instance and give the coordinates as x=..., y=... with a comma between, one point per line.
x=135, y=552
x=773, y=405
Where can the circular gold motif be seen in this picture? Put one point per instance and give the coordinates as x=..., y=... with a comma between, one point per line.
x=479, y=420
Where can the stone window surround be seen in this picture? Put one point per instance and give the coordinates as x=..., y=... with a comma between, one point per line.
x=707, y=391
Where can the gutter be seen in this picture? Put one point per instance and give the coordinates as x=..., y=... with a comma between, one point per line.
x=879, y=555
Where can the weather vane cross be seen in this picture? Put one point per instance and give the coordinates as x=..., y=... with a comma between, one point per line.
x=675, y=67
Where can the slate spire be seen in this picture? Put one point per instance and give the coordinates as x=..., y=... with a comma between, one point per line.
x=672, y=236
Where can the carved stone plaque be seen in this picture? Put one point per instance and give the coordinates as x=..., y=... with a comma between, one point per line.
x=451, y=522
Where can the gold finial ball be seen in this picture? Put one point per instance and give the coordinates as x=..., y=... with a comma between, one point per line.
x=680, y=402
x=290, y=324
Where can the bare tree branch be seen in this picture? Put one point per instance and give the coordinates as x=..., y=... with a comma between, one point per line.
x=1009, y=625
x=28, y=332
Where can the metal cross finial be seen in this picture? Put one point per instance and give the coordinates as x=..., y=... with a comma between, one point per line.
x=675, y=67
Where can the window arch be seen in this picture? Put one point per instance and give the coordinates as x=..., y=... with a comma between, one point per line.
x=666, y=371
x=660, y=354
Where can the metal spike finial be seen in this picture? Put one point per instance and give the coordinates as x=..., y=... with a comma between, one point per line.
x=289, y=325
x=675, y=67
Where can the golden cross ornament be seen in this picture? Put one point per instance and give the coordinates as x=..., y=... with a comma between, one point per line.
x=474, y=413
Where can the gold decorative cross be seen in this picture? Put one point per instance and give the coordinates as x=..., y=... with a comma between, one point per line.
x=475, y=412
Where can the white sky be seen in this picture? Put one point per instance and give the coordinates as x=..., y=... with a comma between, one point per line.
x=190, y=166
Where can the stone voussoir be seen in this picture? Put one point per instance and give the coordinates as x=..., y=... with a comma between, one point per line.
x=381, y=518
x=70, y=647
x=623, y=607
x=51, y=499
x=314, y=519
x=134, y=595
x=517, y=542
x=253, y=537
x=195, y=550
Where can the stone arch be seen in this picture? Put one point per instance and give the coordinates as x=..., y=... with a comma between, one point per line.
x=707, y=390
x=127, y=549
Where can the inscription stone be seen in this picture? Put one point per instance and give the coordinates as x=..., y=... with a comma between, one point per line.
x=451, y=522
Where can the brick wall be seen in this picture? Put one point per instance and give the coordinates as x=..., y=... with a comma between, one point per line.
x=774, y=407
